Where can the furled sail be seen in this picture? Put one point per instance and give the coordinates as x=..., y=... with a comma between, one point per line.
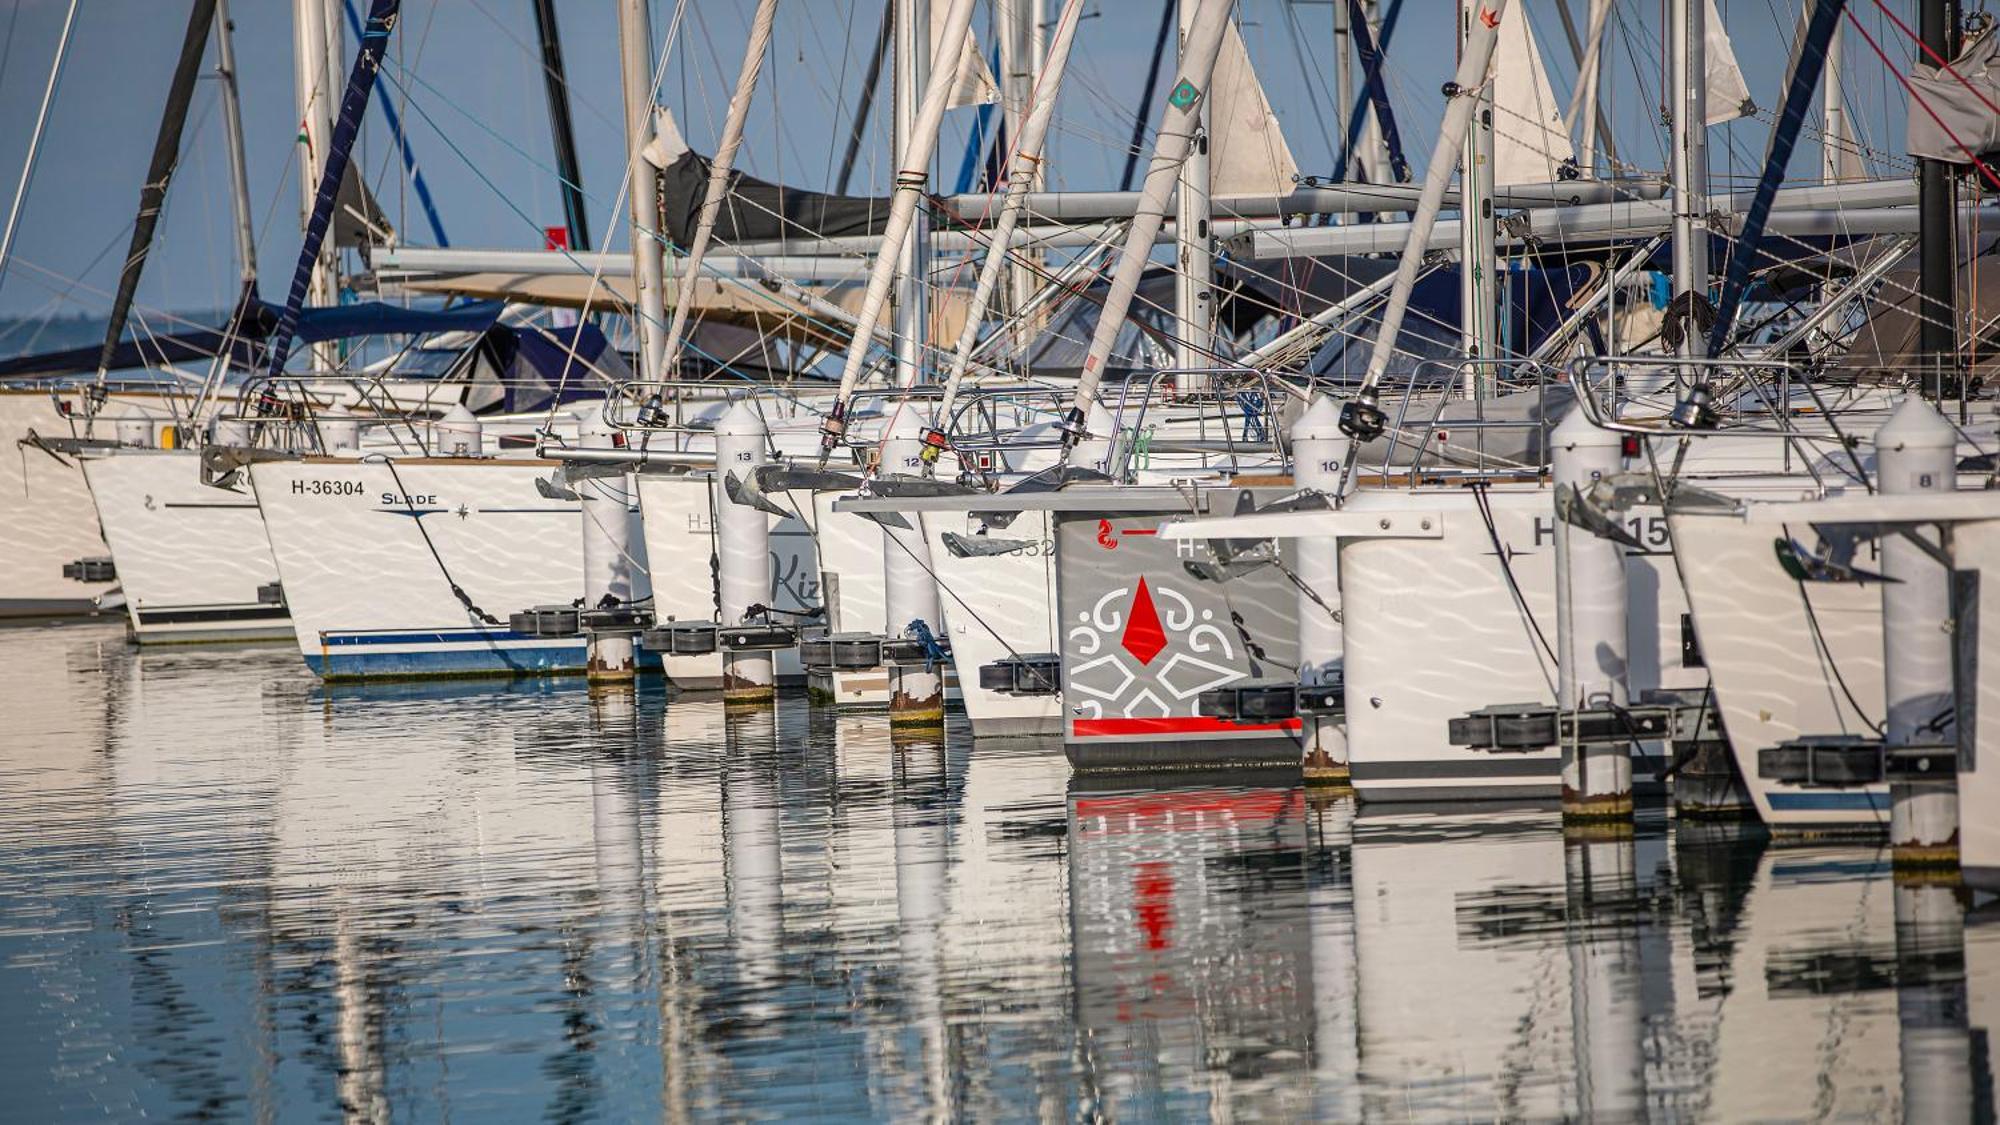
x=757, y=210
x=1530, y=142
x=975, y=80
x=1728, y=94
x=1247, y=152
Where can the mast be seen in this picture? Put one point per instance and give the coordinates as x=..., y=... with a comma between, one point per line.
x=1584, y=107
x=159, y=174
x=1194, y=281
x=576, y=222
x=912, y=75
x=1937, y=190
x=904, y=225
x=1343, y=71
x=316, y=40
x=866, y=106
x=1478, y=261
x=1376, y=161
x=716, y=192
x=635, y=57
x=1022, y=45
x=1020, y=179
x=1146, y=93
x=1179, y=126
x=1475, y=57
x=239, y=167
x=1687, y=85
x=35, y=140
x=1590, y=78
x=360, y=86
x=1836, y=143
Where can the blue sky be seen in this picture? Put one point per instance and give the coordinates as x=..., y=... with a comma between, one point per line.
x=467, y=79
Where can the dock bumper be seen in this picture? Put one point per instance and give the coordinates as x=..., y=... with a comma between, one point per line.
x=1028, y=673
x=1840, y=761
x=1270, y=701
x=1682, y=718
x=98, y=568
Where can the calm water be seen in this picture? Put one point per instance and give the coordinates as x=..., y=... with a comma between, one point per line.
x=228, y=892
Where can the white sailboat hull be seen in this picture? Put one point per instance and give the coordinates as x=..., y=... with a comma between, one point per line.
x=370, y=600
x=46, y=511
x=680, y=544
x=1788, y=659
x=995, y=607
x=191, y=559
x=1436, y=628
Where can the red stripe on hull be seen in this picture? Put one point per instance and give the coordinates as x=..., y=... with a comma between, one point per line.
x=1177, y=724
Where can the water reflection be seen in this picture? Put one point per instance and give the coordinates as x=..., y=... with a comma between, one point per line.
x=227, y=891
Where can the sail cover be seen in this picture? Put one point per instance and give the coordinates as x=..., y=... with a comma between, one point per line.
x=757, y=210
x=1247, y=152
x=1530, y=142
x=1964, y=108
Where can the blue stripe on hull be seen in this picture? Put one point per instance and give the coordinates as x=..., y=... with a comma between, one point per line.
x=360, y=656
x=1844, y=800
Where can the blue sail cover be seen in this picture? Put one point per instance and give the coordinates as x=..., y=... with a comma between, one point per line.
x=247, y=346
x=542, y=373
x=353, y=104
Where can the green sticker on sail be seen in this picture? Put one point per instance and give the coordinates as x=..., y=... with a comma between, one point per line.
x=1184, y=95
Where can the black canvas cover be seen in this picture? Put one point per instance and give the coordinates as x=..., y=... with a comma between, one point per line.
x=759, y=210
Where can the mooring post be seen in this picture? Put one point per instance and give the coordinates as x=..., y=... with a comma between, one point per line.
x=916, y=691
x=1590, y=627
x=1606, y=963
x=606, y=505
x=1916, y=452
x=1319, y=453
x=743, y=547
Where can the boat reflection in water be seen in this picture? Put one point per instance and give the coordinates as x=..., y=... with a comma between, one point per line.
x=227, y=890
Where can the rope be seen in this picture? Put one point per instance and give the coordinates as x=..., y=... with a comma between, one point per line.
x=1480, y=500
x=417, y=518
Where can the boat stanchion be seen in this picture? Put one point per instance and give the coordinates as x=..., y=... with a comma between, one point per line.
x=1916, y=452
x=605, y=503
x=916, y=690
x=1590, y=626
x=743, y=547
x=1319, y=454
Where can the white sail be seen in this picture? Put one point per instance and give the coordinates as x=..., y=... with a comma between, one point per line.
x=1728, y=94
x=1530, y=141
x=976, y=85
x=1247, y=152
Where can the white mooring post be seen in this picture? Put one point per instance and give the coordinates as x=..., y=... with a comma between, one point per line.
x=606, y=504
x=1590, y=629
x=1319, y=451
x=916, y=692
x=1916, y=452
x=1934, y=1037
x=743, y=547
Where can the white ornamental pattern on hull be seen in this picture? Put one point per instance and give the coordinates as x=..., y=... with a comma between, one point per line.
x=1147, y=653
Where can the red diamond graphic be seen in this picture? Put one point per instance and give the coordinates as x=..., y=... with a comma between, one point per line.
x=1143, y=636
